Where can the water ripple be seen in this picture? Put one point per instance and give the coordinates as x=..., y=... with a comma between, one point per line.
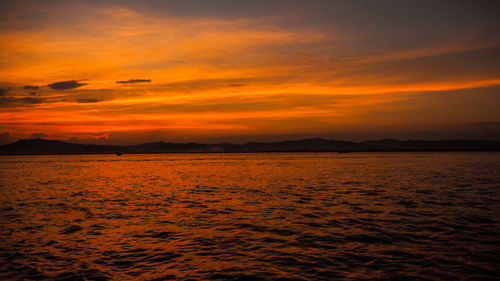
x=283, y=216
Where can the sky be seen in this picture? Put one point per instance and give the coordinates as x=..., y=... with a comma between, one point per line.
x=128, y=72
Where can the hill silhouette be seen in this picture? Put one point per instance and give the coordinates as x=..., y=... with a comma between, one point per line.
x=43, y=146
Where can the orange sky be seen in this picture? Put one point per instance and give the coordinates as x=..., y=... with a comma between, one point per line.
x=232, y=72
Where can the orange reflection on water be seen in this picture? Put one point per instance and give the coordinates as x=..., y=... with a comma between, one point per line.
x=279, y=215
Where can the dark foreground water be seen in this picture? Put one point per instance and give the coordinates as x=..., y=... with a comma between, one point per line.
x=306, y=216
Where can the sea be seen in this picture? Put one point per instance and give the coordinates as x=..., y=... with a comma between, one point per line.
x=251, y=216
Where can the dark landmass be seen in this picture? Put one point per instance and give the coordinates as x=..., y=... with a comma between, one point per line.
x=42, y=146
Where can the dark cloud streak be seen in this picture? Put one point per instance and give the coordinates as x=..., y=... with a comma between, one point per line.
x=134, y=81
x=13, y=102
x=66, y=85
x=486, y=125
x=30, y=100
x=91, y=100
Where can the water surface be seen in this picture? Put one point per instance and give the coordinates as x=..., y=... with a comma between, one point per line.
x=273, y=216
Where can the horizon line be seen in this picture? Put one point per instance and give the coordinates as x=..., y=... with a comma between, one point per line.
x=261, y=142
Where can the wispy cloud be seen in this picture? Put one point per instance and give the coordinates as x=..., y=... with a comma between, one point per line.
x=486, y=124
x=133, y=81
x=89, y=100
x=14, y=102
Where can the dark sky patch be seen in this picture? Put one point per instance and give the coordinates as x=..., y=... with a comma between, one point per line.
x=29, y=87
x=5, y=137
x=66, y=85
x=91, y=100
x=7, y=101
x=38, y=136
x=134, y=81
x=3, y=92
x=486, y=124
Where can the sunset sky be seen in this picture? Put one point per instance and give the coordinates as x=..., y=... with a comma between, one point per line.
x=127, y=72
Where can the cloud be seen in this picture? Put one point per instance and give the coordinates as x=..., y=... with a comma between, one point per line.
x=486, y=124
x=212, y=84
x=66, y=85
x=133, y=81
x=7, y=101
x=10, y=102
x=103, y=137
x=33, y=93
x=38, y=136
x=30, y=100
x=28, y=87
x=3, y=92
x=92, y=100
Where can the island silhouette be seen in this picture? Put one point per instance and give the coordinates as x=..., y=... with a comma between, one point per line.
x=44, y=146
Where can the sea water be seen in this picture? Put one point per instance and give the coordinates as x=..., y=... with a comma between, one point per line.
x=271, y=216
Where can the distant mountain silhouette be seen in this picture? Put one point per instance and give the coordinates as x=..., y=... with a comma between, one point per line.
x=42, y=146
